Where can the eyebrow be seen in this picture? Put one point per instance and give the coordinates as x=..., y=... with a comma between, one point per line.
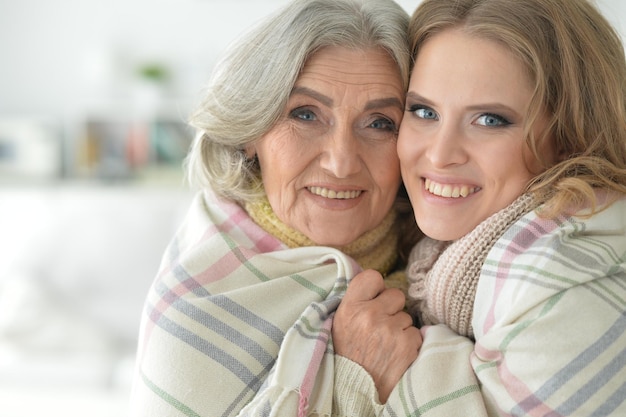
x=384, y=102
x=327, y=101
x=414, y=96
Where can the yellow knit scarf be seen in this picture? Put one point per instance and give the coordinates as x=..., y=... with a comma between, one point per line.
x=376, y=249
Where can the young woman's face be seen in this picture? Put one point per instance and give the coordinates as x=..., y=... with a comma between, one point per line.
x=329, y=166
x=461, y=144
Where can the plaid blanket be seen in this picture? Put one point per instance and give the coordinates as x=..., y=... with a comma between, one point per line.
x=237, y=324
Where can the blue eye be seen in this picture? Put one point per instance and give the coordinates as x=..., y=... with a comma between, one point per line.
x=492, y=120
x=384, y=124
x=424, y=112
x=303, y=114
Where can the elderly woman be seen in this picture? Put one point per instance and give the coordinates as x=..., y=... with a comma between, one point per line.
x=296, y=153
x=513, y=151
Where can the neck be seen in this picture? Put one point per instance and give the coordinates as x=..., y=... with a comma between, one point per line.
x=376, y=249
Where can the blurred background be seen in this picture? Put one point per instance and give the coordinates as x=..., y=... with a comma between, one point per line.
x=94, y=95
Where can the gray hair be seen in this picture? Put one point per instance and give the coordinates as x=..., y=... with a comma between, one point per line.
x=250, y=86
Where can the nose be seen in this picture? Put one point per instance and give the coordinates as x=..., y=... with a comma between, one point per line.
x=446, y=146
x=340, y=156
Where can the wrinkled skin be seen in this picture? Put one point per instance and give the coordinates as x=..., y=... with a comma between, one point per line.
x=371, y=329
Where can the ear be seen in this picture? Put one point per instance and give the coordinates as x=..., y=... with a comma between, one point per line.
x=250, y=151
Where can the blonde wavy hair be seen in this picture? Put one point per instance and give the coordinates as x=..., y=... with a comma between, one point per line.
x=576, y=61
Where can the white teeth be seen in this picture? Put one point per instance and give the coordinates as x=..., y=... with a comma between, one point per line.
x=447, y=190
x=339, y=195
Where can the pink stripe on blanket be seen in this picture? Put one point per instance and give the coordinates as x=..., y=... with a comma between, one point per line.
x=238, y=217
x=223, y=267
x=226, y=265
x=314, y=364
x=519, y=243
x=515, y=387
x=525, y=398
x=184, y=287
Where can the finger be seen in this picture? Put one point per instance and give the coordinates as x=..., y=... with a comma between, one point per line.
x=405, y=321
x=415, y=334
x=365, y=286
x=409, y=340
x=415, y=339
x=391, y=300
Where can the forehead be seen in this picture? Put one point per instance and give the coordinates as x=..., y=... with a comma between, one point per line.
x=372, y=67
x=465, y=63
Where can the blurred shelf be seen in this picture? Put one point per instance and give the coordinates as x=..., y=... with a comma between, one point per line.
x=106, y=147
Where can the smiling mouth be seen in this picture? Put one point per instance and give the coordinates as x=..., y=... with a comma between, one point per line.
x=448, y=190
x=336, y=195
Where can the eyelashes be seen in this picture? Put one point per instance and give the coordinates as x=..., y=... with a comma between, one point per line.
x=379, y=122
x=384, y=123
x=423, y=112
x=486, y=119
x=492, y=120
x=303, y=113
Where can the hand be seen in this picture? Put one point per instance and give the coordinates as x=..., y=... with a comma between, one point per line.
x=371, y=329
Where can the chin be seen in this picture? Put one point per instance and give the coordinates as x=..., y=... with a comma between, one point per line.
x=333, y=240
x=444, y=233
x=334, y=232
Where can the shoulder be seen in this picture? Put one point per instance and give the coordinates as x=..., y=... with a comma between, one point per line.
x=213, y=222
x=537, y=260
x=566, y=242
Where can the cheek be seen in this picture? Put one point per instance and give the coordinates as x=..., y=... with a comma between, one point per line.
x=408, y=146
x=389, y=178
x=533, y=165
x=401, y=144
x=536, y=163
x=384, y=165
x=547, y=157
x=408, y=154
x=274, y=148
x=279, y=155
x=510, y=177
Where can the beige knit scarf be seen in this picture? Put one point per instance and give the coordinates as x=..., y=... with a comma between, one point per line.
x=376, y=249
x=443, y=276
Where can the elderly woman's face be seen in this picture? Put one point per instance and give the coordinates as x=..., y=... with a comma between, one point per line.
x=329, y=166
x=462, y=145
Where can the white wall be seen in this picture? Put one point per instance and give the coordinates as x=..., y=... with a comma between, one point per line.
x=65, y=56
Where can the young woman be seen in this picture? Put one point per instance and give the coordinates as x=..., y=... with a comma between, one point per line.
x=513, y=151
